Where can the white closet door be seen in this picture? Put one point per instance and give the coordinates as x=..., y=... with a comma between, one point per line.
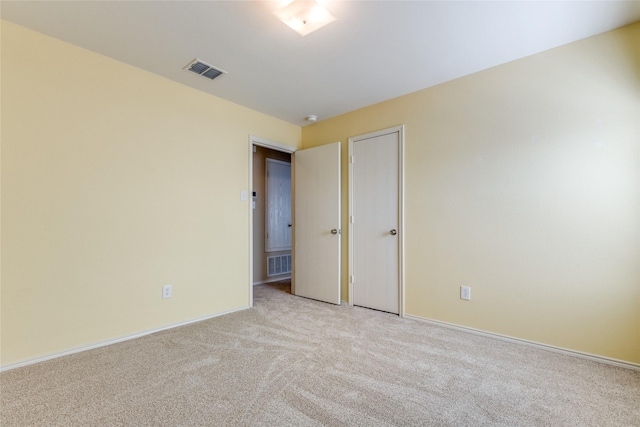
x=376, y=221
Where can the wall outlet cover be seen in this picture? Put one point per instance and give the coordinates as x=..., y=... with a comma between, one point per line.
x=167, y=291
x=465, y=293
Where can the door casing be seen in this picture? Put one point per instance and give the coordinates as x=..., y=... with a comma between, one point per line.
x=401, y=284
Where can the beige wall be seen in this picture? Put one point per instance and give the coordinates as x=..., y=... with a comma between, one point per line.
x=115, y=182
x=523, y=182
x=259, y=186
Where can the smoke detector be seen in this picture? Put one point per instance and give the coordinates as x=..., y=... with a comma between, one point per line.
x=311, y=118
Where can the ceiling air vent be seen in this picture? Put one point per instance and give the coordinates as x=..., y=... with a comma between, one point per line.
x=203, y=69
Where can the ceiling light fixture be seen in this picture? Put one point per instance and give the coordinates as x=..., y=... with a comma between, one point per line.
x=305, y=16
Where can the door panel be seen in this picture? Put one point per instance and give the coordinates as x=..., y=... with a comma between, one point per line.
x=316, y=213
x=376, y=222
x=278, y=206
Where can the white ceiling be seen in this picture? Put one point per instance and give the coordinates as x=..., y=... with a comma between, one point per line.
x=376, y=50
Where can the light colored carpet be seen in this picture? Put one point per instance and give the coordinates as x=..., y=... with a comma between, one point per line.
x=295, y=362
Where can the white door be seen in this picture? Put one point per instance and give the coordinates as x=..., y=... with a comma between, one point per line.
x=375, y=166
x=316, y=225
x=278, y=206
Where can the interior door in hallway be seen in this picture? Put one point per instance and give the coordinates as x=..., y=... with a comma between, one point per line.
x=316, y=226
x=375, y=217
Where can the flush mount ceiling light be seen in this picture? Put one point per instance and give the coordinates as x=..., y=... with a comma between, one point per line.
x=305, y=16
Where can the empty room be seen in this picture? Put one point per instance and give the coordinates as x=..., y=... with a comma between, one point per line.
x=305, y=213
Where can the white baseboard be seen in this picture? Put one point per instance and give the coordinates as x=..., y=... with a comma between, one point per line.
x=277, y=279
x=115, y=341
x=593, y=357
x=601, y=359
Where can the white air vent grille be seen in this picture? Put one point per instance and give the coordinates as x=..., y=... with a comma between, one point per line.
x=203, y=69
x=280, y=264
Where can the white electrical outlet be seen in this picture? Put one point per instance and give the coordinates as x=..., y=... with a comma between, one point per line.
x=465, y=293
x=166, y=291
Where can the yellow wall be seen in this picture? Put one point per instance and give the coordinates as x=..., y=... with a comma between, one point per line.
x=115, y=182
x=523, y=182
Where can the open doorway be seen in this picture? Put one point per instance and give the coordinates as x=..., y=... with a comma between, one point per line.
x=272, y=210
x=316, y=244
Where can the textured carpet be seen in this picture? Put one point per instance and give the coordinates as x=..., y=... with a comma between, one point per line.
x=290, y=361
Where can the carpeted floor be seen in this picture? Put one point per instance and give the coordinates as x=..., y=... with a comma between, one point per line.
x=290, y=361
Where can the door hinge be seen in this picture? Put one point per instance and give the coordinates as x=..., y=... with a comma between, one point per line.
x=351, y=219
x=351, y=279
x=352, y=159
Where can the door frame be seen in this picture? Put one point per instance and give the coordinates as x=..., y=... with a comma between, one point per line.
x=401, y=285
x=254, y=140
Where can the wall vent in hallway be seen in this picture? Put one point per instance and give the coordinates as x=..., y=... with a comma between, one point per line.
x=280, y=264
